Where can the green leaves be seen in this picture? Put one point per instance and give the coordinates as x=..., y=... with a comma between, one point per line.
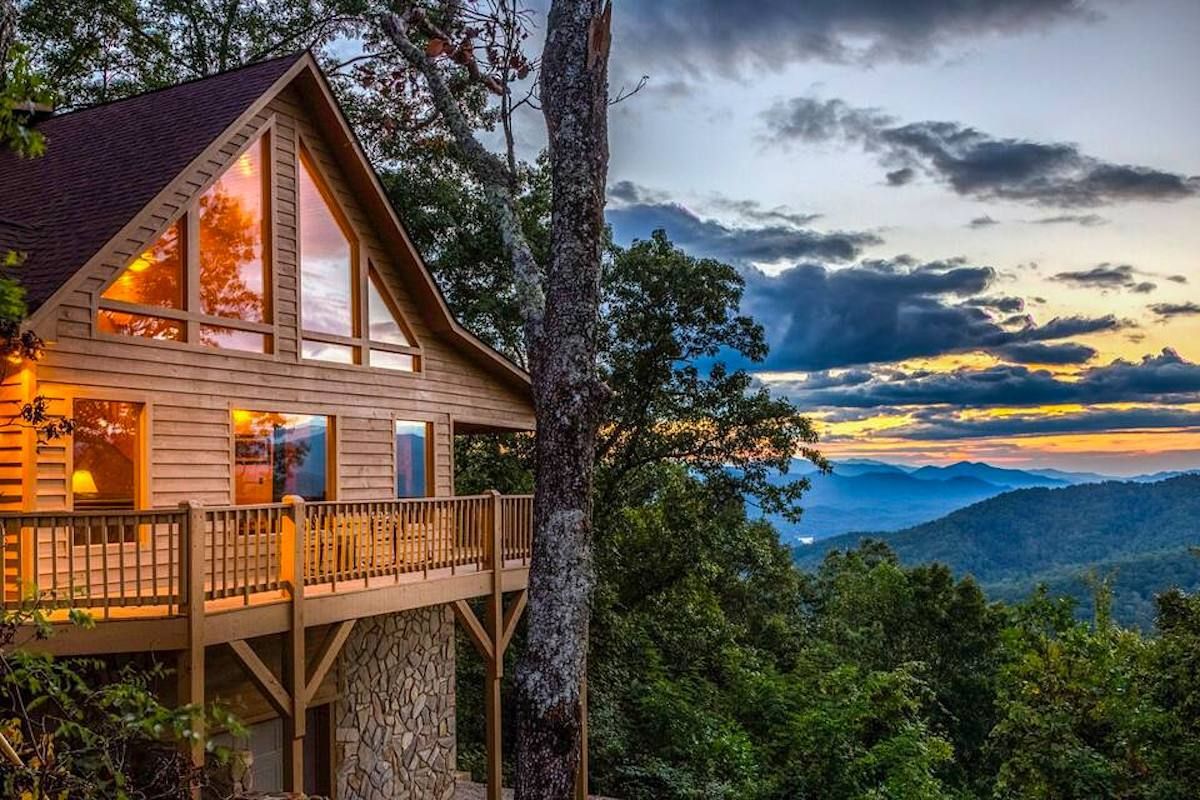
x=90, y=728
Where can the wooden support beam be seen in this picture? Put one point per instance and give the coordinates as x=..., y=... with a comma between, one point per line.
x=475, y=630
x=511, y=617
x=495, y=670
x=327, y=657
x=291, y=569
x=262, y=677
x=189, y=665
x=492, y=737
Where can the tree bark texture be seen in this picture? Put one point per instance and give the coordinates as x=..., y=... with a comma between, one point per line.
x=569, y=400
x=560, y=305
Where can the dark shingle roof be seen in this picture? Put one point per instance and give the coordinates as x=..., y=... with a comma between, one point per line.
x=103, y=165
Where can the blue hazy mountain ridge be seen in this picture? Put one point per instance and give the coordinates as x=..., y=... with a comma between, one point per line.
x=997, y=476
x=862, y=494
x=1134, y=532
x=869, y=495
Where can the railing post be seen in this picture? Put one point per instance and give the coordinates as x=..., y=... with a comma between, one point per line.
x=190, y=662
x=291, y=573
x=497, y=531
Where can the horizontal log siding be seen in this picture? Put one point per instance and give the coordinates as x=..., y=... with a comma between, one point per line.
x=190, y=390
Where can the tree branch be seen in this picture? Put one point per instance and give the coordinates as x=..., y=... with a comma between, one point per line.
x=488, y=169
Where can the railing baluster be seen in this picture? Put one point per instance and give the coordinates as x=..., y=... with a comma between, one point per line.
x=350, y=543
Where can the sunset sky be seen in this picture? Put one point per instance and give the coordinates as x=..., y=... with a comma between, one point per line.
x=971, y=230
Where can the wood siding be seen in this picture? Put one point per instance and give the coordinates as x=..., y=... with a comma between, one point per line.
x=189, y=390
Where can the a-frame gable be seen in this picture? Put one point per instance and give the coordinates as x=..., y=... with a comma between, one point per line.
x=104, y=168
x=304, y=83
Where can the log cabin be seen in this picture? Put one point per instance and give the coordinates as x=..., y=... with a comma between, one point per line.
x=265, y=384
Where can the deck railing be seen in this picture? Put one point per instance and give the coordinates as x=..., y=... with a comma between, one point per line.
x=141, y=561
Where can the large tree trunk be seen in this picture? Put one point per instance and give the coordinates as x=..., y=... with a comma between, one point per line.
x=569, y=399
x=8, y=32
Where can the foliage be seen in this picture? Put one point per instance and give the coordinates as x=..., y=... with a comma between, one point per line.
x=21, y=89
x=90, y=728
x=1138, y=532
x=94, y=51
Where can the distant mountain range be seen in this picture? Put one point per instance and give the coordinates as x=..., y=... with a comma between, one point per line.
x=868, y=495
x=1140, y=532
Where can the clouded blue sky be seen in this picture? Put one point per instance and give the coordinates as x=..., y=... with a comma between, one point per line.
x=970, y=229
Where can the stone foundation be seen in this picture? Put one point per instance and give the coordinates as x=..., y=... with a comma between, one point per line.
x=395, y=733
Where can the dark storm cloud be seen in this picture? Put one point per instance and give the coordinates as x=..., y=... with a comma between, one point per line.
x=1041, y=353
x=982, y=222
x=754, y=211
x=943, y=425
x=901, y=177
x=1008, y=305
x=819, y=318
x=1086, y=220
x=627, y=193
x=1107, y=276
x=976, y=164
x=1166, y=378
x=769, y=235
x=726, y=36
x=1170, y=310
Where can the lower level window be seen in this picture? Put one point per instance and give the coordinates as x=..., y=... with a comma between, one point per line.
x=105, y=455
x=280, y=454
x=412, y=458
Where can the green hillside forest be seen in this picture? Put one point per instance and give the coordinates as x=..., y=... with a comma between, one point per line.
x=1133, y=534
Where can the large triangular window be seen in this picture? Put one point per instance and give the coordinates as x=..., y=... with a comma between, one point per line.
x=154, y=278
x=226, y=301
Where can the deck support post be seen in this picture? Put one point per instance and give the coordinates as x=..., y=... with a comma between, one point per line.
x=291, y=574
x=189, y=667
x=491, y=640
x=495, y=670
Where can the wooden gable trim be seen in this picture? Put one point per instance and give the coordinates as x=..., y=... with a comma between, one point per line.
x=41, y=320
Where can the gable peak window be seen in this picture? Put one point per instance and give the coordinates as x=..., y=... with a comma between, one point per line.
x=207, y=279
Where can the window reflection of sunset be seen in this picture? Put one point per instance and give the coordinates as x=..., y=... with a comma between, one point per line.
x=326, y=271
x=232, y=268
x=153, y=278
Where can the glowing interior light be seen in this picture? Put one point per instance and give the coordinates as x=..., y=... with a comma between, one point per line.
x=83, y=482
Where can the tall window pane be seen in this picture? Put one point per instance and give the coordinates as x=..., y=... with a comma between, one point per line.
x=326, y=272
x=412, y=456
x=105, y=455
x=154, y=278
x=279, y=454
x=233, y=275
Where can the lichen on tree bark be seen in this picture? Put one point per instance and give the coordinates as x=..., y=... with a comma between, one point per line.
x=560, y=306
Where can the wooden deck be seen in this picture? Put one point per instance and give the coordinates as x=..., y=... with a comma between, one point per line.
x=137, y=572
